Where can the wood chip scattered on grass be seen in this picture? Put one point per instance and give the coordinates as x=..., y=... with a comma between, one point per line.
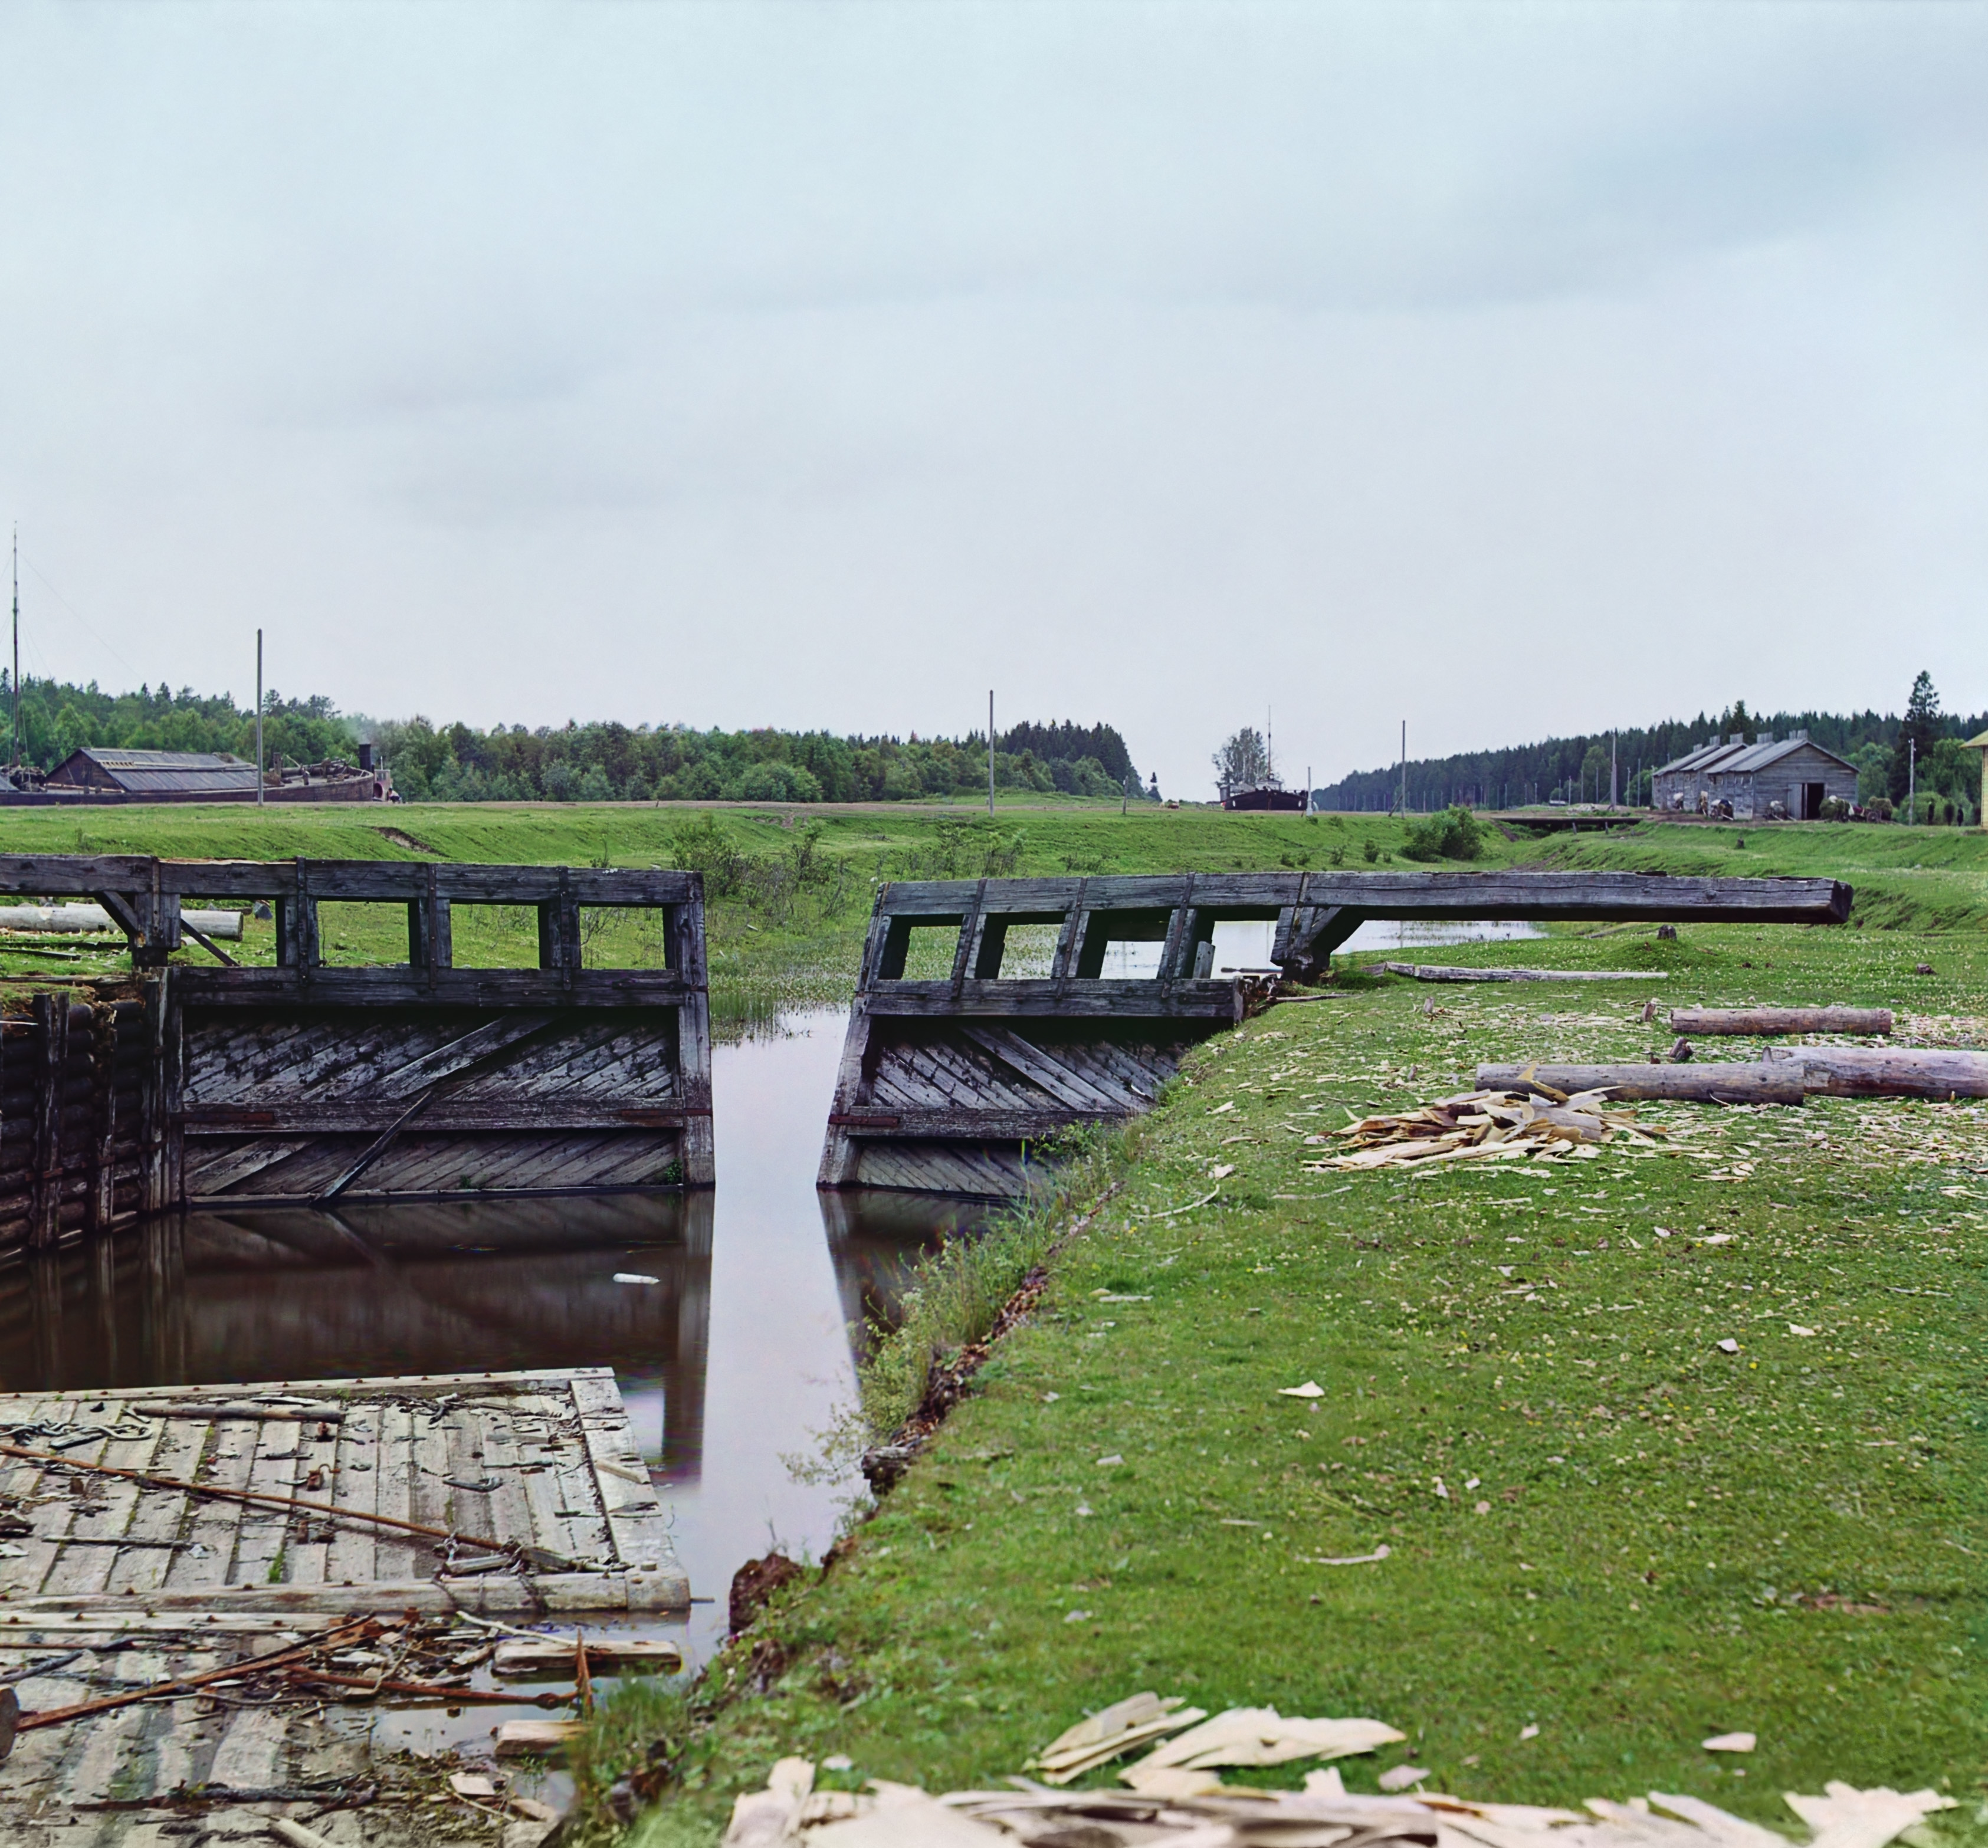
x=1195, y=1807
x=1488, y=1125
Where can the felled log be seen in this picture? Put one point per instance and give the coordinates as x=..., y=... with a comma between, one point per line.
x=1882, y=1071
x=1443, y=971
x=1781, y=1020
x=1731, y=1082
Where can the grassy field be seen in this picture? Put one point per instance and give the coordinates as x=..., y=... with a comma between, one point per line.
x=1598, y=1523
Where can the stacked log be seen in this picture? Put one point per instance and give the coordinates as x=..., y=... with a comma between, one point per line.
x=1882, y=1071
x=1772, y=1021
x=1726, y=1084
x=1782, y=1075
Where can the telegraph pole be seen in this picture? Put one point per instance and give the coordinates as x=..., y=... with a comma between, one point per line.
x=1405, y=769
x=16, y=760
x=990, y=753
x=258, y=719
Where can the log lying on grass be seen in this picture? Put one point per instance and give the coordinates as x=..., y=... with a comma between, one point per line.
x=1781, y=1020
x=1441, y=971
x=1728, y=1083
x=1881, y=1071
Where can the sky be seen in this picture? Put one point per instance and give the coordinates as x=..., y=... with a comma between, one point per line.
x=1508, y=369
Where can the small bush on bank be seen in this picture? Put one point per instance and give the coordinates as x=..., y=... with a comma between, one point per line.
x=1453, y=833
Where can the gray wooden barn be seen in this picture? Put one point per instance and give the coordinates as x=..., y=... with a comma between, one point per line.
x=1791, y=779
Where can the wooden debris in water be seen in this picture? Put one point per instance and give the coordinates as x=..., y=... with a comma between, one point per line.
x=536, y=1738
x=1493, y=1125
x=605, y=1655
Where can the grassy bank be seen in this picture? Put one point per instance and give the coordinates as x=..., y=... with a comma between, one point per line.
x=1673, y=1541
x=1598, y=1523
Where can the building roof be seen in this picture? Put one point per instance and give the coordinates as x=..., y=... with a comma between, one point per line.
x=153, y=770
x=1977, y=744
x=1758, y=757
x=1702, y=758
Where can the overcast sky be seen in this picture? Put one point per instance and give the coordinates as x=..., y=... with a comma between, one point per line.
x=1508, y=369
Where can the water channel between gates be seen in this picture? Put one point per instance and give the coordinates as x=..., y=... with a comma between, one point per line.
x=729, y=1316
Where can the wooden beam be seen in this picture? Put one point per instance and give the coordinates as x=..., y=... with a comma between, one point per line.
x=1217, y=1001
x=1720, y=1083
x=1656, y=898
x=1774, y=1020
x=1882, y=1071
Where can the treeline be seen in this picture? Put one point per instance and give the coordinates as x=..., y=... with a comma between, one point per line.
x=594, y=762
x=1576, y=769
x=610, y=763
x=58, y=717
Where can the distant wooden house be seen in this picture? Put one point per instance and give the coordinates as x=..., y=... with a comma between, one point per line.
x=182, y=775
x=104, y=773
x=1787, y=781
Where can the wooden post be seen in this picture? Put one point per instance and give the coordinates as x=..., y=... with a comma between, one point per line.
x=45, y=1214
x=101, y=1206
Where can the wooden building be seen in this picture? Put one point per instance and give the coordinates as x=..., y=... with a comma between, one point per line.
x=1787, y=781
x=1784, y=779
x=104, y=773
x=1680, y=783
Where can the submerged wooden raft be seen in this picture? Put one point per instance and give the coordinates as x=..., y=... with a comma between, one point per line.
x=541, y=1464
x=955, y=1067
x=306, y=1081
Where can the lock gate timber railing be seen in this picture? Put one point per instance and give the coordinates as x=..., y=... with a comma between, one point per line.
x=307, y=1082
x=952, y=1069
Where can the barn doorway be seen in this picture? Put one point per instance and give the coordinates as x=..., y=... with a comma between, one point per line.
x=1812, y=798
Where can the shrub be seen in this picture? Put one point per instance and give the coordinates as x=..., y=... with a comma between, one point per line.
x=1451, y=834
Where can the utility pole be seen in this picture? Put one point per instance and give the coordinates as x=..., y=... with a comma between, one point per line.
x=258, y=719
x=1307, y=807
x=16, y=758
x=1912, y=779
x=1613, y=739
x=1405, y=769
x=990, y=753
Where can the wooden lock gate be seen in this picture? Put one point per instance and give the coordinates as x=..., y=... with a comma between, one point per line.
x=308, y=1082
x=954, y=1066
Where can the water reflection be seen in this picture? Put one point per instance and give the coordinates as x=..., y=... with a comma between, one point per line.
x=732, y=1361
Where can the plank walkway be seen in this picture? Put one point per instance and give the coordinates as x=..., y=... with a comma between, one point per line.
x=150, y=1583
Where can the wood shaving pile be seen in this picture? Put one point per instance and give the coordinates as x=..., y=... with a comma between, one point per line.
x=791, y=1813
x=1489, y=1125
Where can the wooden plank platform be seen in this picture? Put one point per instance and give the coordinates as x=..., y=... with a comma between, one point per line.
x=541, y=1461
x=956, y=1065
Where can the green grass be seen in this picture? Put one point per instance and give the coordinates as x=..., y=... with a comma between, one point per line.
x=1679, y=1541
x=1789, y=1540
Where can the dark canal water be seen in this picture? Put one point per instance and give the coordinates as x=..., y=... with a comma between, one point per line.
x=734, y=1352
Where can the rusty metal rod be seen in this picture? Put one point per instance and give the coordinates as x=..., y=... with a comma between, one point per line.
x=338, y=1634
x=538, y=1555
